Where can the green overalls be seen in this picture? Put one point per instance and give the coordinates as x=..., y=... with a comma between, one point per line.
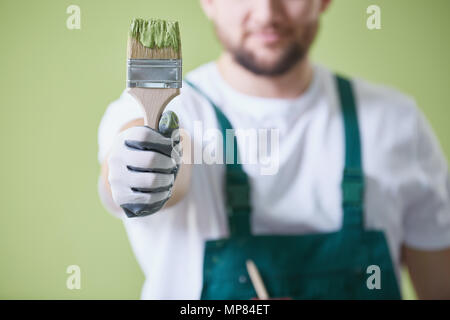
x=330, y=265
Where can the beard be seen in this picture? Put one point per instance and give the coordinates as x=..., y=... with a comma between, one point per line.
x=290, y=56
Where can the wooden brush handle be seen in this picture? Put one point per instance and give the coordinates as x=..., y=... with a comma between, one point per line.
x=153, y=101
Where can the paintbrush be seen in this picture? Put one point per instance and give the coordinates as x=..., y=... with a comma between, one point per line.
x=154, y=65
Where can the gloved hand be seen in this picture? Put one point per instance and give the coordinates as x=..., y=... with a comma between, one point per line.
x=143, y=165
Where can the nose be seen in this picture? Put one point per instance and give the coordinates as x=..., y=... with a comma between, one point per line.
x=267, y=12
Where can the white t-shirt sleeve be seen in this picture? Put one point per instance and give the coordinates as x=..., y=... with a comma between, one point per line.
x=117, y=114
x=427, y=200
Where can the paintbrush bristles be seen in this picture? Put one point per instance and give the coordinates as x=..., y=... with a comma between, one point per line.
x=137, y=51
x=154, y=39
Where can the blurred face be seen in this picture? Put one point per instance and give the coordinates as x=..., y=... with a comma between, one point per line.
x=267, y=37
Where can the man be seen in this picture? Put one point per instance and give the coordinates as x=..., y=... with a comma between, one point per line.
x=343, y=204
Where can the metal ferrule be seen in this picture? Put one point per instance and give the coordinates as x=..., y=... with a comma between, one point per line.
x=154, y=73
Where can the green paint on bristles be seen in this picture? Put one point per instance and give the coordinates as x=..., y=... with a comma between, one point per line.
x=156, y=33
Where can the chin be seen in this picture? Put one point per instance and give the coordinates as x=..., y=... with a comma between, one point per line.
x=267, y=60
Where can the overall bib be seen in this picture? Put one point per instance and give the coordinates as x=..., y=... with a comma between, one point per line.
x=330, y=265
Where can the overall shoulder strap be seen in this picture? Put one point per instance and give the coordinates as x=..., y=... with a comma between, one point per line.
x=237, y=187
x=352, y=178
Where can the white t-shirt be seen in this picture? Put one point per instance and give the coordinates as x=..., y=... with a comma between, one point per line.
x=407, y=191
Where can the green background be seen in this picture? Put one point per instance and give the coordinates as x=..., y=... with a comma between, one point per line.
x=55, y=86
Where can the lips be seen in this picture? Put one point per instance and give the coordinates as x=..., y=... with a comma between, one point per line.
x=268, y=36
